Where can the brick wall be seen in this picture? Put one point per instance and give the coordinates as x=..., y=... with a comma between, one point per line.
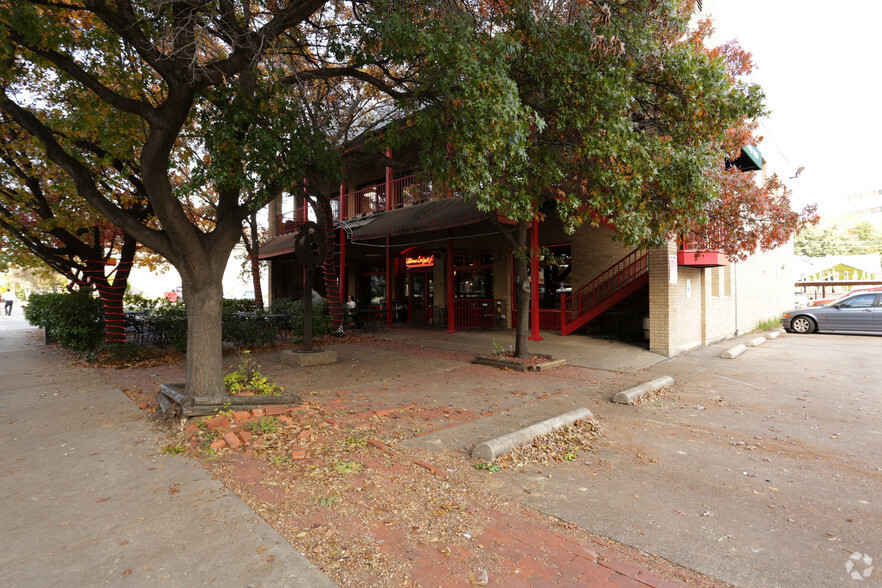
x=707, y=305
x=593, y=251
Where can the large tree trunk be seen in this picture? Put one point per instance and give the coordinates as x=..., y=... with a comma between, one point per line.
x=333, y=288
x=203, y=297
x=522, y=290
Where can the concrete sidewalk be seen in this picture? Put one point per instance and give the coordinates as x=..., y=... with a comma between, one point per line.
x=90, y=499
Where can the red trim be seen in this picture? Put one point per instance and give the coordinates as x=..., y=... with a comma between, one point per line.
x=534, y=283
x=696, y=258
x=451, y=289
x=620, y=280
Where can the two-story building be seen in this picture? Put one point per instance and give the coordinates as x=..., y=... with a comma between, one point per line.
x=408, y=254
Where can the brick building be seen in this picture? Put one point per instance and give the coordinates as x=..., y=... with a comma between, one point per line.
x=396, y=240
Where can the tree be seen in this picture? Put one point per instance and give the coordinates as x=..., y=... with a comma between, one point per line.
x=840, y=238
x=167, y=68
x=614, y=112
x=46, y=225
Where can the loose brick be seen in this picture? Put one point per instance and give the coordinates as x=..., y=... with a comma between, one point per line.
x=298, y=454
x=275, y=410
x=217, y=422
x=285, y=420
x=438, y=472
x=384, y=412
x=233, y=441
x=218, y=444
x=246, y=436
x=242, y=416
x=257, y=412
x=192, y=430
x=305, y=435
x=382, y=447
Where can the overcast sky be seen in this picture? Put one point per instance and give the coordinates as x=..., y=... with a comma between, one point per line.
x=819, y=64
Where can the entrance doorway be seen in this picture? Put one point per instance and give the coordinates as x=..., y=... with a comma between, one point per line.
x=419, y=297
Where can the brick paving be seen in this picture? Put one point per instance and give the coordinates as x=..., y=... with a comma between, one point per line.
x=513, y=545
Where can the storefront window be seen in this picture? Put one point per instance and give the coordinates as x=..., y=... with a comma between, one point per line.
x=554, y=275
x=473, y=275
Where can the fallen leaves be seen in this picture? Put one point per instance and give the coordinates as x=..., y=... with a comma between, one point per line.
x=559, y=445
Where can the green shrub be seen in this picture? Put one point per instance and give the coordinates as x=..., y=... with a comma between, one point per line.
x=251, y=329
x=75, y=320
x=321, y=316
x=248, y=380
x=171, y=320
x=138, y=302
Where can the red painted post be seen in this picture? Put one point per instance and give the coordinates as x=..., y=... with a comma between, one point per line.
x=534, y=282
x=342, y=272
x=388, y=181
x=451, y=290
x=388, y=284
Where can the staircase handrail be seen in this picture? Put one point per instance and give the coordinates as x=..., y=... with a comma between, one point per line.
x=607, y=283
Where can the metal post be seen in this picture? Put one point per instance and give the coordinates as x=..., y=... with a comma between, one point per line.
x=534, y=282
x=451, y=290
x=388, y=284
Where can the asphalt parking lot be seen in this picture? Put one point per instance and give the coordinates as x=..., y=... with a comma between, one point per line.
x=764, y=470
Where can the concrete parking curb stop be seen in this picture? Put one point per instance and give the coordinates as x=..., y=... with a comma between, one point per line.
x=631, y=394
x=773, y=334
x=756, y=342
x=490, y=450
x=733, y=352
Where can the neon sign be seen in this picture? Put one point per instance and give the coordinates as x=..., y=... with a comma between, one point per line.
x=419, y=261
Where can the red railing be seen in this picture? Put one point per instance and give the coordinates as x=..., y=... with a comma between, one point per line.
x=476, y=313
x=402, y=191
x=706, y=238
x=593, y=295
x=410, y=190
x=288, y=222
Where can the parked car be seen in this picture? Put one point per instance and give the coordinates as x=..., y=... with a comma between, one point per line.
x=859, y=313
x=846, y=295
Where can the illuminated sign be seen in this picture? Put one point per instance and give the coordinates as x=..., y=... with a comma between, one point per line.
x=419, y=261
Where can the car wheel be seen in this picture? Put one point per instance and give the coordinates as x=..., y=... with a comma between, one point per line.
x=802, y=325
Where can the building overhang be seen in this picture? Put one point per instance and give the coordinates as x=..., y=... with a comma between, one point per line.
x=701, y=258
x=428, y=216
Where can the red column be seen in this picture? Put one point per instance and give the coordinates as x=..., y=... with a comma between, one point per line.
x=388, y=284
x=388, y=181
x=451, y=290
x=342, y=271
x=534, y=282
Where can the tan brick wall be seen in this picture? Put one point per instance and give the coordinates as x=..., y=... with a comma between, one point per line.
x=593, y=251
x=725, y=301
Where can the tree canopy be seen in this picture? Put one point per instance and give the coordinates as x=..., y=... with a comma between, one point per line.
x=611, y=110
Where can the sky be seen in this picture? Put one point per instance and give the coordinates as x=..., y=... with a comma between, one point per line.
x=819, y=65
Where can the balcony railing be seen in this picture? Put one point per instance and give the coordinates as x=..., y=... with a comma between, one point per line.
x=700, y=247
x=401, y=192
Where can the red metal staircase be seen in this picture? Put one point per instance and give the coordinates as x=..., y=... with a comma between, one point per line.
x=622, y=279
